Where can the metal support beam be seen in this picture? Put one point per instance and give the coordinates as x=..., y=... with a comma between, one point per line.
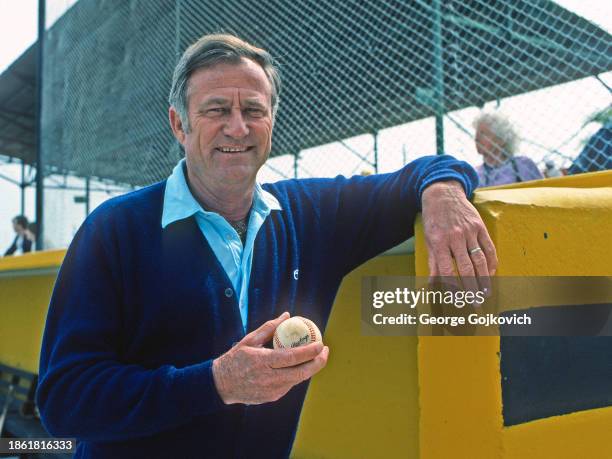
x=603, y=83
x=356, y=153
x=375, y=164
x=438, y=77
x=87, y=197
x=22, y=185
x=39, y=156
x=80, y=188
x=278, y=171
x=8, y=179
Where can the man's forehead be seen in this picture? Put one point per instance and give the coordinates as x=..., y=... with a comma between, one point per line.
x=226, y=79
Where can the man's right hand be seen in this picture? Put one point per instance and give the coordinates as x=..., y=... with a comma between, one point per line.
x=251, y=374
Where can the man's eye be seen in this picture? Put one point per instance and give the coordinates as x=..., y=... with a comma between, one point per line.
x=255, y=111
x=215, y=111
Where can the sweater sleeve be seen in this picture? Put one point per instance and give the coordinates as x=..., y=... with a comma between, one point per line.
x=85, y=390
x=374, y=213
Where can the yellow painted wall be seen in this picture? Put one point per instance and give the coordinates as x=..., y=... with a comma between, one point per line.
x=26, y=283
x=459, y=377
x=33, y=260
x=364, y=404
x=589, y=180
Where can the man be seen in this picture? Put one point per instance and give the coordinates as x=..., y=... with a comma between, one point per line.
x=154, y=342
x=21, y=244
x=497, y=141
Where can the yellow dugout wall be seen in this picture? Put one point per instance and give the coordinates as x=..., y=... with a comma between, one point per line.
x=554, y=227
x=540, y=228
x=26, y=283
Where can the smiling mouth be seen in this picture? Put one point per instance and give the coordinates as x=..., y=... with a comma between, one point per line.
x=233, y=150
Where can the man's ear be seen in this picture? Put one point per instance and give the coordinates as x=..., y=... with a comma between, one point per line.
x=177, y=125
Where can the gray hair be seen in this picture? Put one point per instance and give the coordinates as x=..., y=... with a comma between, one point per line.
x=210, y=50
x=501, y=128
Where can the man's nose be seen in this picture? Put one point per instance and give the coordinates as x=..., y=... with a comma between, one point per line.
x=236, y=126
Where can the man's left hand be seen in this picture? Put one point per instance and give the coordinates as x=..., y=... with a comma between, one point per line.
x=453, y=229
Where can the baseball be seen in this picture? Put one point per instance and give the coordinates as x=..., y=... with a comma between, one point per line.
x=295, y=331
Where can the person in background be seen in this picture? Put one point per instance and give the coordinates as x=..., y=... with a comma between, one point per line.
x=496, y=140
x=20, y=244
x=597, y=153
x=30, y=234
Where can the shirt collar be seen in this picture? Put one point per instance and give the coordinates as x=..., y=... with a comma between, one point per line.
x=179, y=203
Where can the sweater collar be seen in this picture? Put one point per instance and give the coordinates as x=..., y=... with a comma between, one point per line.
x=179, y=203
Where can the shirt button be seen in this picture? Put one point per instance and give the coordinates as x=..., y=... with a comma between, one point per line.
x=229, y=292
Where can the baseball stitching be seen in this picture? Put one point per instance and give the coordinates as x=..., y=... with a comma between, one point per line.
x=313, y=334
x=278, y=343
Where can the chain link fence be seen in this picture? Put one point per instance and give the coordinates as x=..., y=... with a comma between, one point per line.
x=367, y=87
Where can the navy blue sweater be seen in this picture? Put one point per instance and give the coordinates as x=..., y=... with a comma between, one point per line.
x=138, y=313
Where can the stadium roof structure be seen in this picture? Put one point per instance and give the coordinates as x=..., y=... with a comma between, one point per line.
x=18, y=108
x=347, y=70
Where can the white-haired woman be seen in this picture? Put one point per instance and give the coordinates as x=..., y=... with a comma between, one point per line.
x=496, y=140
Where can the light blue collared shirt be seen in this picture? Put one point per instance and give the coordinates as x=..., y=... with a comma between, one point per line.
x=179, y=203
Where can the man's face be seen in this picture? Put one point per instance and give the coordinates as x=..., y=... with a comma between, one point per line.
x=230, y=116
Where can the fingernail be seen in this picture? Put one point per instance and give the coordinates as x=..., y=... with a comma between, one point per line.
x=284, y=315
